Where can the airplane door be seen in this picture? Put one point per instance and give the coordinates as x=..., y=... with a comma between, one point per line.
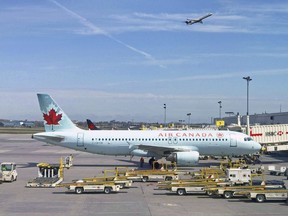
x=80, y=139
x=233, y=141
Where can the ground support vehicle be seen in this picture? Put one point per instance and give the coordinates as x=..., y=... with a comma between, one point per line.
x=192, y=187
x=168, y=172
x=8, y=172
x=80, y=187
x=228, y=192
x=68, y=161
x=49, y=175
x=210, y=172
x=151, y=175
x=267, y=194
x=182, y=187
x=239, y=176
x=274, y=171
x=122, y=181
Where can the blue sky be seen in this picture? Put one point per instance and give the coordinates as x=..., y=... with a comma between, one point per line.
x=122, y=60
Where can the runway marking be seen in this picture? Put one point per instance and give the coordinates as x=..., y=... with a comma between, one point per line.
x=4, y=151
x=21, y=139
x=54, y=151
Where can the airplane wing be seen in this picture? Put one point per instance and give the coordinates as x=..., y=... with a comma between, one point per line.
x=163, y=150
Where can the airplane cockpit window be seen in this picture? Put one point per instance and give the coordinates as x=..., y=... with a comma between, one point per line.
x=248, y=139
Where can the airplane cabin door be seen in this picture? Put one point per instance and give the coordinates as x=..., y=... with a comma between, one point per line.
x=80, y=139
x=233, y=141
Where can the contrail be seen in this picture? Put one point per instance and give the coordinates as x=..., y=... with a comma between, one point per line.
x=98, y=30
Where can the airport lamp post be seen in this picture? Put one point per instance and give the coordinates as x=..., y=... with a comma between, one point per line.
x=220, y=106
x=164, y=115
x=189, y=115
x=248, y=79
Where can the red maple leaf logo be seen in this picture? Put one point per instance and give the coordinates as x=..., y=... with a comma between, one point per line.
x=52, y=118
x=219, y=135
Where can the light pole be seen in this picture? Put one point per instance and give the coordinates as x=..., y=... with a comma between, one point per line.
x=189, y=115
x=220, y=106
x=164, y=115
x=248, y=79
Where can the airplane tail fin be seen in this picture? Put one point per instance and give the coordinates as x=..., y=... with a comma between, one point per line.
x=91, y=126
x=54, y=117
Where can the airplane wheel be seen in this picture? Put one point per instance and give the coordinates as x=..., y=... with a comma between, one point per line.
x=145, y=179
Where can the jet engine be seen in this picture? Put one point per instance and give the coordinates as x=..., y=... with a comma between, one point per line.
x=184, y=158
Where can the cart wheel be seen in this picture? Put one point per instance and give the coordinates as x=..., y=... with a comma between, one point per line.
x=145, y=179
x=107, y=190
x=209, y=193
x=228, y=194
x=168, y=178
x=181, y=191
x=260, y=198
x=78, y=190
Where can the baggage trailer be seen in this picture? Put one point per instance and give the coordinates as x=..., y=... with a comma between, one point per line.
x=81, y=187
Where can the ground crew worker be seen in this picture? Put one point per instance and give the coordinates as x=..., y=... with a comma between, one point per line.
x=141, y=161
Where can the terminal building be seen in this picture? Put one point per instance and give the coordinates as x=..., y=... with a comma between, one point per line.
x=257, y=119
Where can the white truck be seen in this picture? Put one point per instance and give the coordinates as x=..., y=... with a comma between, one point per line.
x=238, y=176
x=8, y=172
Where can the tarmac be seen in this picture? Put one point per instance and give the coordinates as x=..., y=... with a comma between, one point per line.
x=141, y=200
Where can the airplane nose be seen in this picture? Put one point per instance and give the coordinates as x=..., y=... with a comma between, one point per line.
x=257, y=146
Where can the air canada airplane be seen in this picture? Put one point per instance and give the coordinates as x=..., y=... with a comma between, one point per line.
x=182, y=147
x=91, y=125
x=199, y=20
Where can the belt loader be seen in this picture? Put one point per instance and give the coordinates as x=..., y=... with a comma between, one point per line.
x=150, y=175
x=80, y=187
x=122, y=181
x=263, y=195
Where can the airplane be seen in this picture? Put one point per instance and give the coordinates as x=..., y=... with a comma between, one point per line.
x=199, y=20
x=182, y=147
x=91, y=125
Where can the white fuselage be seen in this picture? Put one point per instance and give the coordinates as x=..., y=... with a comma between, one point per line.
x=206, y=142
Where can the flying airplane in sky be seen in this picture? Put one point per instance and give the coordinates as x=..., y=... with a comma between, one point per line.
x=199, y=20
x=182, y=147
